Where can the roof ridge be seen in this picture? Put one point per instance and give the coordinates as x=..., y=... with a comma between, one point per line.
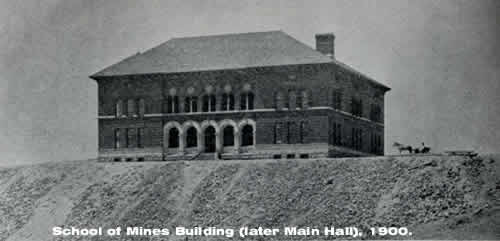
x=226, y=34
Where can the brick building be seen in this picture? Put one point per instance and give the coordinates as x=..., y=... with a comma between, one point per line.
x=250, y=95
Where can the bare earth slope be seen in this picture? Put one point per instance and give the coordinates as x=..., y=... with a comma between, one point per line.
x=436, y=197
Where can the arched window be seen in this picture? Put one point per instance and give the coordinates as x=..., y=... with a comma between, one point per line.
x=141, y=106
x=228, y=136
x=173, y=138
x=209, y=102
x=191, y=104
x=191, y=137
x=246, y=101
x=227, y=102
x=278, y=100
x=119, y=108
x=131, y=110
x=210, y=145
x=172, y=104
x=247, y=135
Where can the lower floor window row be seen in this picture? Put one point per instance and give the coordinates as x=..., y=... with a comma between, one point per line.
x=129, y=137
x=208, y=137
x=290, y=132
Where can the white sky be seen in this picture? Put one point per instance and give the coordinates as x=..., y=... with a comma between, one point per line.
x=441, y=59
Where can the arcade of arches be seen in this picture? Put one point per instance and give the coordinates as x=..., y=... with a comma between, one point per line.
x=208, y=136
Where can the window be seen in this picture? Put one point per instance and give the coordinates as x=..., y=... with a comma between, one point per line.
x=131, y=110
x=290, y=129
x=191, y=137
x=375, y=113
x=353, y=137
x=209, y=102
x=373, y=143
x=292, y=100
x=303, y=100
x=299, y=101
x=278, y=100
x=140, y=137
x=379, y=145
x=191, y=104
x=117, y=138
x=356, y=107
x=337, y=99
x=142, y=107
x=227, y=102
x=228, y=136
x=337, y=134
x=172, y=104
x=357, y=138
x=247, y=135
x=119, y=108
x=246, y=101
x=173, y=138
x=302, y=128
x=210, y=136
x=128, y=133
x=376, y=144
x=360, y=139
x=278, y=130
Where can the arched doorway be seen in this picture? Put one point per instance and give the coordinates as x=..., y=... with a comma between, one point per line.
x=210, y=139
x=247, y=135
x=173, y=138
x=191, y=137
x=228, y=139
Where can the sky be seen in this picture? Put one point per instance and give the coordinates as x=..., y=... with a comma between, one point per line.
x=441, y=59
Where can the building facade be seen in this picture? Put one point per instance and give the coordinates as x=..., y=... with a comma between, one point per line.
x=237, y=96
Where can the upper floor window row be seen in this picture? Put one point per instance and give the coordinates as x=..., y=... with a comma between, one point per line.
x=130, y=108
x=295, y=99
x=210, y=103
x=356, y=107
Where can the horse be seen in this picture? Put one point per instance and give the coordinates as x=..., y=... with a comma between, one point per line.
x=402, y=147
x=425, y=149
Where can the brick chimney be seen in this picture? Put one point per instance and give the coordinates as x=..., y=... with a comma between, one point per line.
x=325, y=43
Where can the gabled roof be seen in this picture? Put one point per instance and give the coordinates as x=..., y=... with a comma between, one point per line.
x=217, y=52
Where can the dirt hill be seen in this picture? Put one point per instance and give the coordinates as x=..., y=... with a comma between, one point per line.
x=436, y=197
